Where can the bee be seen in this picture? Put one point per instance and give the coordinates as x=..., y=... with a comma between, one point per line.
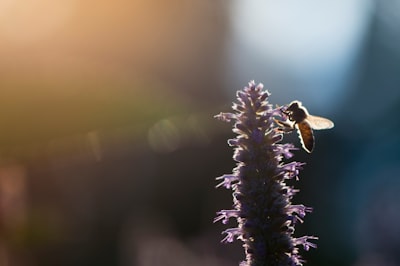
x=300, y=119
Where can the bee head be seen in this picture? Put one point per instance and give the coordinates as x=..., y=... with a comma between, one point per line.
x=294, y=106
x=296, y=111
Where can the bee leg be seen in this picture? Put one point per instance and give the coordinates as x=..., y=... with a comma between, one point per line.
x=284, y=126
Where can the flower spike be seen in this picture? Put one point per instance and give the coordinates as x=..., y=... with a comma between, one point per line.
x=263, y=209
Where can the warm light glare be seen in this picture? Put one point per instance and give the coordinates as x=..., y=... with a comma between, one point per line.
x=28, y=21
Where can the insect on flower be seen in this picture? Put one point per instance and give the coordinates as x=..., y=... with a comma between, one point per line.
x=300, y=119
x=262, y=201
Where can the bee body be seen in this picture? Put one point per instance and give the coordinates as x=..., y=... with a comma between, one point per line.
x=304, y=123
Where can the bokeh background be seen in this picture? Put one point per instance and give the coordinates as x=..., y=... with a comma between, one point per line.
x=109, y=149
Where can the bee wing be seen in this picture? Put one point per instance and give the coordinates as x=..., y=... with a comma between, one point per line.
x=317, y=122
x=306, y=135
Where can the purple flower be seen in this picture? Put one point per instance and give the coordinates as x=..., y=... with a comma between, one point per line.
x=262, y=201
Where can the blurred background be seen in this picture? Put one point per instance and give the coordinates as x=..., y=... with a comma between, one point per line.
x=108, y=146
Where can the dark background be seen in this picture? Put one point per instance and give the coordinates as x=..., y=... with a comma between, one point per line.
x=109, y=149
